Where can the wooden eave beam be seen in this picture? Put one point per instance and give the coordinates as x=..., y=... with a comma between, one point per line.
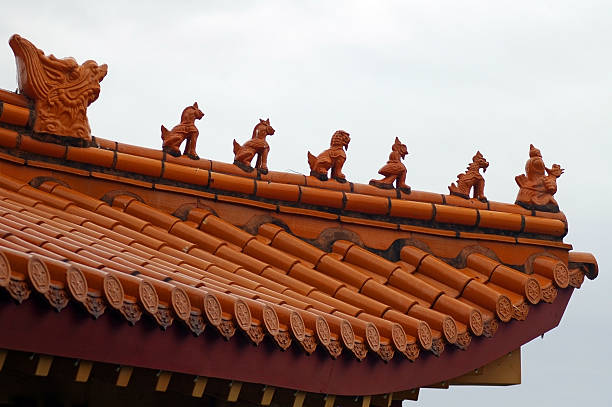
x=199, y=385
x=298, y=400
x=83, y=371
x=43, y=365
x=268, y=394
x=3, y=353
x=163, y=380
x=123, y=378
x=234, y=392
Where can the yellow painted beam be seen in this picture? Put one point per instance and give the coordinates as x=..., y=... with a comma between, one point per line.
x=234, y=392
x=123, y=378
x=365, y=402
x=330, y=399
x=44, y=365
x=268, y=394
x=389, y=399
x=504, y=371
x=3, y=354
x=163, y=380
x=83, y=372
x=298, y=401
x=199, y=385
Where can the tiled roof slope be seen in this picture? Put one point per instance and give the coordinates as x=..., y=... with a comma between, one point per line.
x=134, y=258
x=347, y=268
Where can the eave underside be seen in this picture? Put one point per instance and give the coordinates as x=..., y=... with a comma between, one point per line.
x=33, y=327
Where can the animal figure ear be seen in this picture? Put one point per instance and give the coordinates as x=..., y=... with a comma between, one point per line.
x=397, y=140
x=261, y=120
x=268, y=121
x=195, y=104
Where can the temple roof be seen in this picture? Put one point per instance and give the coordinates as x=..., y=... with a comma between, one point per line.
x=422, y=286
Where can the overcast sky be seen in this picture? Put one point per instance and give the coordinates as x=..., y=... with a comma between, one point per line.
x=447, y=77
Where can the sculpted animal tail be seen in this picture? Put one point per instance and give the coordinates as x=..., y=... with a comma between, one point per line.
x=236, y=147
x=312, y=160
x=164, y=133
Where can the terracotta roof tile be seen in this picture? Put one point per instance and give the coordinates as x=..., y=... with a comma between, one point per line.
x=288, y=281
x=342, y=272
x=321, y=197
x=16, y=115
x=181, y=173
x=585, y=261
x=8, y=138
x=139, y=165
x=93, y=156
x=277, y=191
x=387, y=296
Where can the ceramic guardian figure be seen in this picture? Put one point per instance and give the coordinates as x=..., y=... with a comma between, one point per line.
x=471, y=178
x=61, y=89
x=185, y=130
x=394, y=170
x=334, y=158
x=538, y=184
x=244, y=154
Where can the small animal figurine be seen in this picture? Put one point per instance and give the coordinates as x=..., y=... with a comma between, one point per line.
x=243, y=155
x=186, y=130
x=334, y=158
x=536, y=189
x=471, y=179
x=394, y=170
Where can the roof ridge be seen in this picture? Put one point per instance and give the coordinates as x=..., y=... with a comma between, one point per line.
x=165, y=173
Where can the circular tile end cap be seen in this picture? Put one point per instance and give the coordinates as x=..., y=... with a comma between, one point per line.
x=148, y=296
x=5, y=270
x=347, y=334
x=270, y=319
x=77, y=283
x=297, y=326
x=243, y=314
x=476, y=323
x=113, y=290
x=425, y=337
x=561, y=274
x=323, y=331
x=399, y=337
x=372, y=336
x=212, y=309
x=39, y=275
x=449, y=328
x=533, y=291
x=181, y=303
x=503, y=308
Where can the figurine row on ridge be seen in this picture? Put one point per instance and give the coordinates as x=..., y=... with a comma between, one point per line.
x=537, y=185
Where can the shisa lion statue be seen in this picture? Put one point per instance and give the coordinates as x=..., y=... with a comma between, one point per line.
x=536, y=189
x=394, y=170
x=244, y=154
x=471, y=178
x=61, y=89
x=185, y=130
x=334, y=158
